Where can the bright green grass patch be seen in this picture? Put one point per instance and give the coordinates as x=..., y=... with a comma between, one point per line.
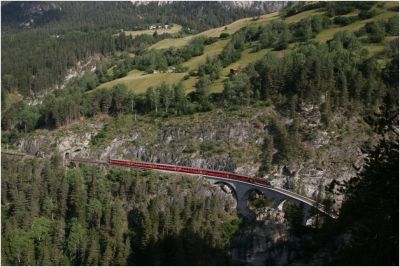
x=353, y=13
x=302, y=15
x=392, y=4
x=375, y=48
x=378, y=48
x=132, y=75
x=139, y=81
x=189, y=84
x=218, y=86
x=175, y=28
x=175, y=42
x=238, y=24
x=10, y=99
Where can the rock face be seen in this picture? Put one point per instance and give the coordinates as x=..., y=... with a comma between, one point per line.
x=74, y=141
x=260, y=244
x=261, y=6
x=220, y=141
x=198, y=145
x=271, y=214
x=30, y=11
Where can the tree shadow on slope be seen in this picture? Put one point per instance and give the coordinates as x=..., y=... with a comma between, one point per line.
x=186, y=248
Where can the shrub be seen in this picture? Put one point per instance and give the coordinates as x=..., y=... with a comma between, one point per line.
x=224, y=35
x=376, y=31
x=366, y=14
x=392, y=26
x=343, y=21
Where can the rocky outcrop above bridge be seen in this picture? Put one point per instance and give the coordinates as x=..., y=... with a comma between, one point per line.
x=228, y=141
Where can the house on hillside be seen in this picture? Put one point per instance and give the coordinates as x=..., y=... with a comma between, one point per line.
x=160, y=26
x=172, y=69
x=234, y=71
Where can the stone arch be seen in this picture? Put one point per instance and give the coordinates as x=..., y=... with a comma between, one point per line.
x=227, y=187
x=232, y=201
x=255, y=195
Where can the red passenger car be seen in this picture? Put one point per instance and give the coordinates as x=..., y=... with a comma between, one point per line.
x=212, y=173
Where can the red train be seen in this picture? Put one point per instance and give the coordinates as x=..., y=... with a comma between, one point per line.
x=166, y=167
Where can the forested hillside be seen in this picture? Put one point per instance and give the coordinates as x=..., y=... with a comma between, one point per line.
x=92, y=216
x=42, y=40
x=296, y=68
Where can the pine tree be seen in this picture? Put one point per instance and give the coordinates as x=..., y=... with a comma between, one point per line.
x=266, y=156
x=180, y=99
x=153, y=98
x=165, y=97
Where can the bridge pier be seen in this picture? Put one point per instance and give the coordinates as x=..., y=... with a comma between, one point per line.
x=242, y=192
x=241, y=195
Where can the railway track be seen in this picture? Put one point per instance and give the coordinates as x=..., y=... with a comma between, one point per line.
x=191, y=171
x=89, y=161
x=16, y=154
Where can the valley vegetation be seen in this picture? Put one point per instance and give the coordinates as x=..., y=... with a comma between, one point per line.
x=91, y=216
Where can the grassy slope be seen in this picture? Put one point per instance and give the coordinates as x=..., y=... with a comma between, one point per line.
x=247, y=57
x=329, y=33
x=11, y=99
x=176, y=28
x=139, y=81
x=230, y=28
x=210, y=51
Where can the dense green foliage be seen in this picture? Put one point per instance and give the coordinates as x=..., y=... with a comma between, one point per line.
x=371, y=212
x=307, y=28
x=89, y=216
x=340, y=71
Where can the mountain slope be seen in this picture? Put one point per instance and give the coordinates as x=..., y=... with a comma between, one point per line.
x=66, y=33
x=140, y=81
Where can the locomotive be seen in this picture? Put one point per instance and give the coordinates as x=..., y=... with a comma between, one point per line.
x=166, y=167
